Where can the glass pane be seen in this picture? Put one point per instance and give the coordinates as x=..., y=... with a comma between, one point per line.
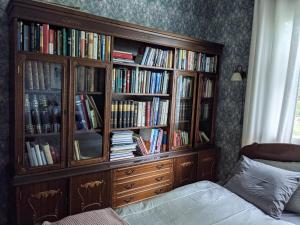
x=183, y=110
x=42, y=105
x=205, y=122
x=89, y=105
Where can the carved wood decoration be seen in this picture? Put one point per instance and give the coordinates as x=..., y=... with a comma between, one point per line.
x=90, y=188
x=43, y=198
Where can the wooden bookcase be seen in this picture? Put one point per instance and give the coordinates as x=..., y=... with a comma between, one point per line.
x=191, y=96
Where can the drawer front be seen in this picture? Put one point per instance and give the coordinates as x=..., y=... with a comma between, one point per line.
x=134, y=171
x=154, y=179
x=185, y=170
x=129, y=199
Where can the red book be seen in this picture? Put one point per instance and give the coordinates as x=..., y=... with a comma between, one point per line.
x=85, y=111
x=46, y=38
x=51, y=42
x=127, y=81
x=122, y=55
x=148, y=113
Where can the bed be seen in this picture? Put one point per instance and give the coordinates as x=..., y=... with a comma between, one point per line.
x=204, y=202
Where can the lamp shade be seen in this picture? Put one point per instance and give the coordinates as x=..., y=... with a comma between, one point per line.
x=236, y=76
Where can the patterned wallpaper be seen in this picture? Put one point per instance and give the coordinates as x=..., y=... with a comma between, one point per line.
x=225, y=21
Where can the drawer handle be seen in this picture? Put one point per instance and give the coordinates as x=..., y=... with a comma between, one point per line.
x=159, y=178
x=129, y=186
x=128, y=172
x=129, y=199
x=186, y=164
x=158, y=191
x=160, y=166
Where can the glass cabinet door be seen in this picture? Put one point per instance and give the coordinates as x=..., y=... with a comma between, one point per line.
x=184, y=110
x=89, y=100
x=43, y=117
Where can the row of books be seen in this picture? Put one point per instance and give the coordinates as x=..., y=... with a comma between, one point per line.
x=180, y=138
x=42, y=75
x=150, y=141
x=134, y=81
x=87, y=145
x=207, y=91
x=41, y=154
x=204, y=115
x=42, y=114
x=87, y=115
x=89, y=79
x=124, y=57
x=129, y=113
x=190, y=60
x=184, y=87
x=183, y=111
x=157, y=57
x=43, y=38
x=122, y=145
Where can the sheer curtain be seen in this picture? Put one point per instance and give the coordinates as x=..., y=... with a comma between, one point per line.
x=273, y=74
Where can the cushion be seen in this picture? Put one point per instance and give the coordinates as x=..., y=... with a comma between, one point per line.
x=294, y=203
x=267, y=187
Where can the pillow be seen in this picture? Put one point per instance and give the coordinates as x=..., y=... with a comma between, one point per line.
x=267, y=187
x=294, y=203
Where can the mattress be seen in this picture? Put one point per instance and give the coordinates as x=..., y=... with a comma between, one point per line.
x=291, y=217
x=201, y=203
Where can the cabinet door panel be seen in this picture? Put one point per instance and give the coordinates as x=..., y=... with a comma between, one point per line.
x=89, y=192
x=42, y=201
x=185, y=170
x=207, y=165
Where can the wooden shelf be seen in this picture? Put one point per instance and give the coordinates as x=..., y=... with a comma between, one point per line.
x=41, y=135
x=183, y=121
x=142, y=66
x=140, y=94
x=87, y=131
x=137, y=128
x=205, y=99
x=43, y=92
x=89, y=93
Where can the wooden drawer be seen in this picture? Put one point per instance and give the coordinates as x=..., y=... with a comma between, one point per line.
x=134, y=171
x=154, y=179
x=129, y=199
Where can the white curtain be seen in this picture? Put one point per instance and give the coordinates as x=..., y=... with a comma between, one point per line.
x=273, y=73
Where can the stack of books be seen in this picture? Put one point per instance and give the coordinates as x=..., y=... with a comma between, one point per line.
x=47, y=39
x=41, y=154
x=129, y=113
x=121, y=56
x=134, y=81
x=87, y=115
x=122, y=145
x=157, y=57
x=89, y=79
x=180, y=138
x=207, y=88
x=151, y=141
x=189, y=60
x=42, y=114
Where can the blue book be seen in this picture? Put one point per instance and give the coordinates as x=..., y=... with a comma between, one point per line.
x=102, y=47
x=153, y=82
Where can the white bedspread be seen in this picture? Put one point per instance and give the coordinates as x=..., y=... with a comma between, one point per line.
x=201, y=203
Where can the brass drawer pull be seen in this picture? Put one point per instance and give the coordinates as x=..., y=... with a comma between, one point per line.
x=159, y=178
x=160, y=166
x=129, y=186
x=158, y=191
x=129, y=199
x=186, y=164
x=128, y=172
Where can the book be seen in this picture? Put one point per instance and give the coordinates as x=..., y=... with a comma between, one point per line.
x=122, y=55
x=28, y=75
x=46, y=149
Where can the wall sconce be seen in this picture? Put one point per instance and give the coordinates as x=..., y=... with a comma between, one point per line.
x=238, y=74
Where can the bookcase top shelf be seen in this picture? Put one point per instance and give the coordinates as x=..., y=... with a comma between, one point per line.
x=69, y=17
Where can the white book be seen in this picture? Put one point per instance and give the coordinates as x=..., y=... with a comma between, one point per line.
x=44, y=161
x=95, y=46
x=46, y=149
x=30, y=158
x=38, y=155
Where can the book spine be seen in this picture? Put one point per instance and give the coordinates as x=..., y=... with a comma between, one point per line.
x=103, y=44
x=32, y=38
x=46, y=38
x=95, y=47
x=90, y=45
x=82, y=44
